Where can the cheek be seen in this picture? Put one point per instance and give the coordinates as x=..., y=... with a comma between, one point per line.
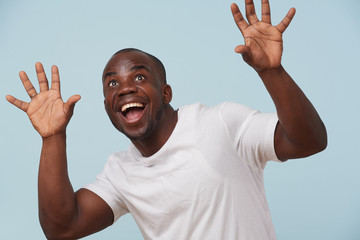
x=108, y=105
x=157, y=100
x=156, y=93
x=108, y=98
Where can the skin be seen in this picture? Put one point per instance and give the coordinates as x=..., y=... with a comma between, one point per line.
x=300, y=131
x=65, y=214
x=133, y=77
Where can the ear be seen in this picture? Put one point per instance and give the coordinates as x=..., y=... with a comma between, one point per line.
x=167, y=93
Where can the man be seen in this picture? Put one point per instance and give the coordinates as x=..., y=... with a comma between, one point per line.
x=192, y=173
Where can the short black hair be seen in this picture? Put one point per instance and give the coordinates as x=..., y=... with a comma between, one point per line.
x=155, y=59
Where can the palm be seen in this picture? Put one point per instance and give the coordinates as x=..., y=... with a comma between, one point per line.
x=47, y=112
x=263, y=41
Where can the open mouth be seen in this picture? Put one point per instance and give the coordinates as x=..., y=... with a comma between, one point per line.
x=132, y=112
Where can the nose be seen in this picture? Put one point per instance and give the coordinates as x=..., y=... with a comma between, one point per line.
x=127, y=88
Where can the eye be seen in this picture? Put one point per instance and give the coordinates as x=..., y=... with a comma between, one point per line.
x=139, y=78
x=113, y=83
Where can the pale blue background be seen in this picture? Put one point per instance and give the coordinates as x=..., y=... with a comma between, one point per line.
x=313, y=198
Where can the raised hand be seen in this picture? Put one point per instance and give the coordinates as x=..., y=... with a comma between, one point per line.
x=47, y=112
x=263, y=42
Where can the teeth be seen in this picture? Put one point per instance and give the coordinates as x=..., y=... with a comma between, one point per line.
x=130, y=105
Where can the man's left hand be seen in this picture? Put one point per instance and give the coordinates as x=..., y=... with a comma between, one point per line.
x=263, y=42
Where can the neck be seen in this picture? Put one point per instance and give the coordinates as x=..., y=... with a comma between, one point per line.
x=154, y=143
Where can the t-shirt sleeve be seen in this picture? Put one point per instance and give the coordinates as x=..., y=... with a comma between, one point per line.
x=251, y=132
x=104, y=189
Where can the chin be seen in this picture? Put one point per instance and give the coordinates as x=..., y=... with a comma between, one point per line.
x=138, y=134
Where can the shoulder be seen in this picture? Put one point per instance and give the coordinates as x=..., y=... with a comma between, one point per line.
x=227, y=106
x=224, y=111
x=230, y=108
x=199, y=112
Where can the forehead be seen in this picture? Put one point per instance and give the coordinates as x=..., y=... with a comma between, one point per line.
x=125, y=61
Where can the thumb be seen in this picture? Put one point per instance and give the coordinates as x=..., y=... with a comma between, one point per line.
x=245, y=52
x=70, y=104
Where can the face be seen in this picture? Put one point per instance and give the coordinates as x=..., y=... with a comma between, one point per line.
x=135, y=96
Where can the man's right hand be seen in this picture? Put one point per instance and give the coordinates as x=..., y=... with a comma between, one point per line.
x=47, y=112
x=63, y=214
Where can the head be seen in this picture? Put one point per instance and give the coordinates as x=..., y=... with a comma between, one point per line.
x=136, y=93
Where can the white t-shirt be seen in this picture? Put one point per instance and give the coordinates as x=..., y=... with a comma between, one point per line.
x=206, y=182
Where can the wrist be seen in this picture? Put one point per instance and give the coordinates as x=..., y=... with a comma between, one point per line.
x=55, y=137
x=271, y=71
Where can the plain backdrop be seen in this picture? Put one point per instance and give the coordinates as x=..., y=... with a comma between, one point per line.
x=313, y=198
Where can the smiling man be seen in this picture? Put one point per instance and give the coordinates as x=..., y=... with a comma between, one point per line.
x=191, y=173
x=137, y=99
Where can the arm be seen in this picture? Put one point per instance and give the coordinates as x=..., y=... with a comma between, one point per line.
x=300, y=131
x=63, y=214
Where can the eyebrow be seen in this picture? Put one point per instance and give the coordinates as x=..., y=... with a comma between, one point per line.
x=108, y=74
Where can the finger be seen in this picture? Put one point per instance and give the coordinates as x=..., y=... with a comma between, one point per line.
x=238, y=17
x=27, y=84
x=250, y=12
x=286, y=21
x=43, y=82
x=55, y=78
x=17, y=103
x=245, y=52
x=71, y=103
x=265, y=11
x=73, y=99
x=242, y=49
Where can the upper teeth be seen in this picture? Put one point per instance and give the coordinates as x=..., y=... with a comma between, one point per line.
x=130, y=105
